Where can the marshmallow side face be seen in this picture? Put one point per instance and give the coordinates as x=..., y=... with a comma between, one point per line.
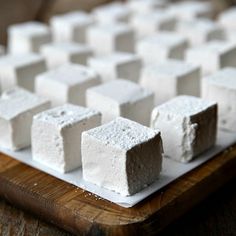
x=126, y=151
x=188, y=126
x=56, y=136
x=17, y=108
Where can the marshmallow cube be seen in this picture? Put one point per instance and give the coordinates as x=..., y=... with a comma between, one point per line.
x=17, y=108
x=112, y=12
x=66, y=84
x=117, y=65
x=228, y=18
x=130, y=156
x=20, y=70
x=171, y=78
x=57, y=54
x=56, y=136
x=212, y=56
x=200, y=31
x=162, y=46
x=108, y=38
x=121, y=98
x=149, y=23
x=28, y=37
x=71, y=26
x=221, y=87
x=185, y=10
x=188, y=126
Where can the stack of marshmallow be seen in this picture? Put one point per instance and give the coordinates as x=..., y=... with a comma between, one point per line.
x=118, y=89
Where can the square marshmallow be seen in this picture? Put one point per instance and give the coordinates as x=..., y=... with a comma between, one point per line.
x=121, y=98
x=28, y=37
x=17, y=108
x=200, y=31
x=188, y=126
x=108, y=38
x=112, y=12
x=171, y=78
x=228, y=18
x=57, y=54
x=212, y=56
x=56, y=136
x=149, y=23
x=122, y=156
x=20, y=69
x=221, y=87
x=161, y=46
x=71, y=26
x=66, y=84
x=186, y=10
x=117, y=65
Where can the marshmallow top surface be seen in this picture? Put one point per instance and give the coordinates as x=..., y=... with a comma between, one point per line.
x=29, y=29
x=122, y=133
x=167, y=39
x=19, y=60
x=225, y=78
x=171, y=68
x=69, y=74
x=229, y=14
x=121, y=91
x=115, y=58
x=66, y=115
x=16, y=100
x=65, y=47
x=185, y=106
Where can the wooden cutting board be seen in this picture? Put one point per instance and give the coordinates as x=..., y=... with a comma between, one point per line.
x=80, y=212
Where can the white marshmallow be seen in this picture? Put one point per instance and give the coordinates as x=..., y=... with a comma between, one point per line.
x=58, y=54
x=56, y=136
x=17, y=108
x=117, y=65
x=71, y=26
x=112, y=12
x=145, y=6
x=66, y=84
x=149, y=23
x=121, y=98
x=221, y=87
x=188, y=126
x=130, y=156
x=159, y=47
x=106, y=39
x=228, y=18
x=20, y=69
x=28, y=37
x=200, y=31
x=171, y=78
x=212, y=56
x=2, y=50
x=191, y=9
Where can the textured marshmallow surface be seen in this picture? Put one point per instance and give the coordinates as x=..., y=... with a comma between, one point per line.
x=56, y=135
x=71, y=26
x=221, y=87
x=20, y=69
x=213, y=56
x=171, y=78
x=227, y=18
x=117, y=65
x=127, y=160
x=121, y=98
x=199, y=31
x=17, y=108
x=108, y=38
x=161, y=46
x=188, y=126
x=28, y=37
x=57, y=54
x=66, y=84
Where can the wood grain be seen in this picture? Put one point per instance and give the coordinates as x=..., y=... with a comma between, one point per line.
x=80, y=212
